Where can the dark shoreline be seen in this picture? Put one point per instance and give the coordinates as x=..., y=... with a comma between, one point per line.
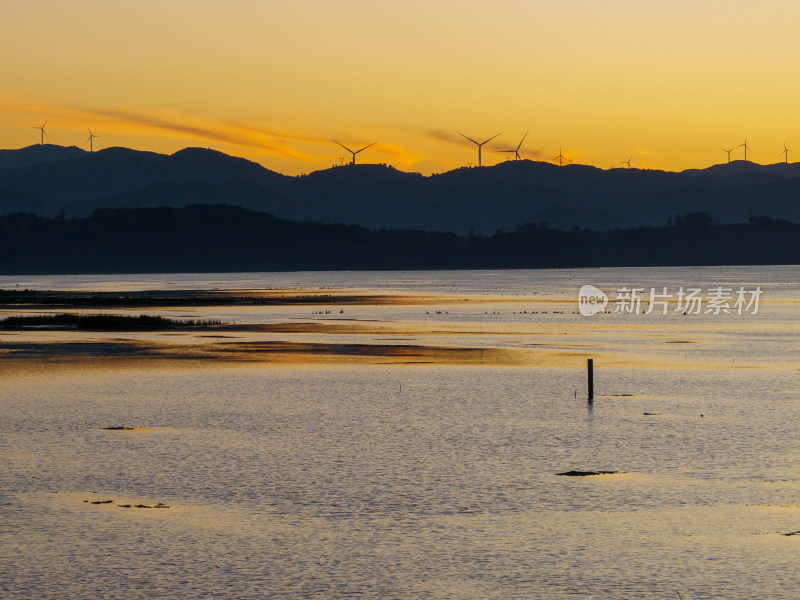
x=31, y=299
x=102, y=322
x=204, y=239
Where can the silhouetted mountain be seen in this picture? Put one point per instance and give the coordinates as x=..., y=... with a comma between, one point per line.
x=228, y=238
x=38, y=154
x=740, y=167
x=14, y=201
x=240, y=192
x=567, y=216
x=49, y=180
x=728, y=205
x=81, y=181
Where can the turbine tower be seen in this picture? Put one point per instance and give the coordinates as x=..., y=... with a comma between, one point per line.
x=479, y=145
x=729, y=153
x=786, y=152
x=628, y=162
x=745, y=148
x=560, y=157
x=516, y=150
x=90, y=138
x=42, y=130
x=354, y=152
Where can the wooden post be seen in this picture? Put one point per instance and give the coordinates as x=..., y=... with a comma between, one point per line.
x=590, y=372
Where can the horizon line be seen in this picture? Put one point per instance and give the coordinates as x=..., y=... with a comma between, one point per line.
x=336, y=166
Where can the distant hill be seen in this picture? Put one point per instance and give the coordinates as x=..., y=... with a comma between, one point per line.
x=36, y=155
x=48, y=180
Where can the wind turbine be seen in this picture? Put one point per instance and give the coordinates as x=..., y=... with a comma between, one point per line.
x=786, y=152
x=745, y=148
x=479, y=145
x=43, y=133
x=354, y=152
x=729, y=153
x=516, y=151
x=560, y=157
x=90, y=138
x=628, y=162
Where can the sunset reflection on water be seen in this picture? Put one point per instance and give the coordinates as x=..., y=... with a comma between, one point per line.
x=408, y=450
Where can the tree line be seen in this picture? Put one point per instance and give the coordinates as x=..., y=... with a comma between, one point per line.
x=218, y=238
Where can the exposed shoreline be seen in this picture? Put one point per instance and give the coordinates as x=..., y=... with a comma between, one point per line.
x=10, y=299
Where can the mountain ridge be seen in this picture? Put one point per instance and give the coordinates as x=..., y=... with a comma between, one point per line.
x=49, y=180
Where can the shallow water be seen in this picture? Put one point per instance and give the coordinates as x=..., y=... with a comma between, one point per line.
x=291, y=480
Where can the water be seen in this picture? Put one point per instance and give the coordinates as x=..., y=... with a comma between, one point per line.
x=330, y=480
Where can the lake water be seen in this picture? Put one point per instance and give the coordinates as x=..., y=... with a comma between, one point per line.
x=350, y=476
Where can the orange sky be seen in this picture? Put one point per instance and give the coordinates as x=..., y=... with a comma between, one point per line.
x=670, y=83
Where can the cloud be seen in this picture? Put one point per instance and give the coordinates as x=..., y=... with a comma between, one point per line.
x=210, y=131
x=446, y=136
x=532, y=153
x=523, y=151
x=200, y=128
x=393, y=151
x=280, y=135
x=494, y=145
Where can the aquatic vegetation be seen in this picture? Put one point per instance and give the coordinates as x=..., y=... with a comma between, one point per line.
x=102, y=322
x=586, y=473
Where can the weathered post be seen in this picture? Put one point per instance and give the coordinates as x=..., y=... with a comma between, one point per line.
x=590, y=373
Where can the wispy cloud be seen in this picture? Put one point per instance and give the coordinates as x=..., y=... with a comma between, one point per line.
x=456, y=138
x=209, y=131
x=446, y=136
x=393, y=151
x=201, y=128
x=288, y=136
x=182, y=120
x=531, y=153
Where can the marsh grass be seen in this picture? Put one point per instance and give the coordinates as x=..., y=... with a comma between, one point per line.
x=103, y=322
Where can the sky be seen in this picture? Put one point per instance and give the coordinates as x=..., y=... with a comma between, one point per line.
x=669, y=84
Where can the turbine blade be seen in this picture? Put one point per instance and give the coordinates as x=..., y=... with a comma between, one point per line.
x=365, y=147
x=469, y=138
x=490, y=139
x=342, y=145
x=523, y=139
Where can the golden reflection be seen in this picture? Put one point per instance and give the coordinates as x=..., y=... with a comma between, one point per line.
x=437, y=329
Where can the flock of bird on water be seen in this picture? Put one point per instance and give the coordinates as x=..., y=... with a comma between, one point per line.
x=560, y=158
